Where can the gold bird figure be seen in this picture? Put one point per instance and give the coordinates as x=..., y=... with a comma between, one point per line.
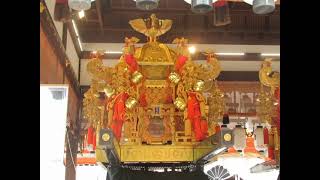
x=151, y=27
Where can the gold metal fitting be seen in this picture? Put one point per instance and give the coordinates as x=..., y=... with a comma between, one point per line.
x=174, y=77
x=227, y=137
x=131, y=103
x=136, y=77
x=180, y=104
x=198, y=85
x=109, y=91
x=105, y=137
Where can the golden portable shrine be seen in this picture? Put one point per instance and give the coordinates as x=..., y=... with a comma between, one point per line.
x=156, y=105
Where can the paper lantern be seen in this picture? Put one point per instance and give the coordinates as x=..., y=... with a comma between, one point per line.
x=259, y=139
x=263, y=6
x=201, y=6
x=225, y=119
x=80, y=5
x=147, y=4
x=227, y=136
x=239, y=138
x=221, y=13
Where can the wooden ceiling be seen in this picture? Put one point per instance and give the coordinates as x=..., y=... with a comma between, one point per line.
x=107, y=21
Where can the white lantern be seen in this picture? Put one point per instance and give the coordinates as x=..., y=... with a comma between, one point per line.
x=80, y=5
x=147, y=4
x=263, y=6
x=227, y=138
x=259, y=139
x=201, y=6
x=239, y=138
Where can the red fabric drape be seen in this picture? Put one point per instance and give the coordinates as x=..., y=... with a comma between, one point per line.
x=194, y=114
x=90, y=136
x=180, y=62
x=118, y=114
x=266, y=135
x=132, y=62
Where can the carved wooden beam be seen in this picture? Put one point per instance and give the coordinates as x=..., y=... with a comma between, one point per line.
x=50, y=31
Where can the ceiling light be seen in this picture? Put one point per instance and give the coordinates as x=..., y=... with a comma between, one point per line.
x=250, y=1
x=270, y=54
x=189, y=1
x=79, y=4
x=113, y=52
x=192, y=49
x=81, y=14
x=201, y=6
x=231, y=54
x=147, y=4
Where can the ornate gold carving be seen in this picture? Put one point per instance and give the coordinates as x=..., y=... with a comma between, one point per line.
x=156, y=92
x=42, y=7
x=267, y=76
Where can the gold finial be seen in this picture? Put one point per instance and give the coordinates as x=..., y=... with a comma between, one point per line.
x=152, y=27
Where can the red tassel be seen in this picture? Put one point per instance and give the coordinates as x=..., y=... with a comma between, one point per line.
x=132, y=63
x=118, y=114
x=270, y=152
x=194, y=115
x=94, y=139
x=180, y=62
x=218, y=129
x=90, y=135
x=266, y=135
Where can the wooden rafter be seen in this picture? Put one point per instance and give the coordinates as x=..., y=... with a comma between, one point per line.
x=100, y=17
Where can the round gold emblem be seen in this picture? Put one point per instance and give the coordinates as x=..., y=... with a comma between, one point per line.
x=227, y=137
x=105, y=137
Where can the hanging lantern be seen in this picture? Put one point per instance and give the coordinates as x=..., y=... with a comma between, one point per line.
x=180, y=104
x=198, y=85
x=131, y=103
x=225, y=119
x=80, y=5
x=259, y=139
x=263, y=6
x=239, y=138
x=221, y=13
x=136, y=77
x=147, y=4
x=174, y=77
x=201, y=6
